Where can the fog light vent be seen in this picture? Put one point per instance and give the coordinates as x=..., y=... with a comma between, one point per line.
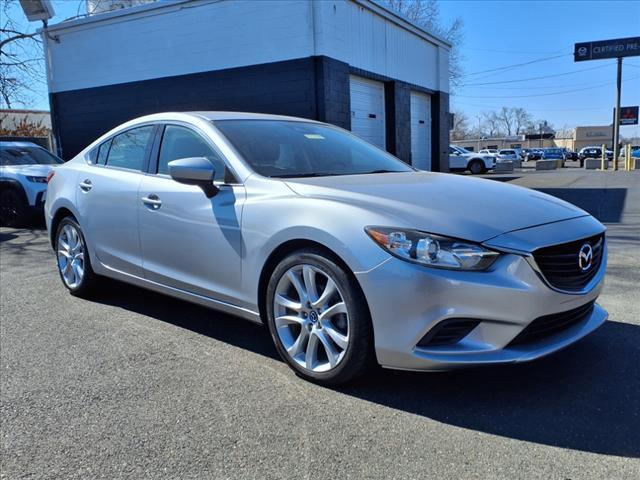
x=448, y=332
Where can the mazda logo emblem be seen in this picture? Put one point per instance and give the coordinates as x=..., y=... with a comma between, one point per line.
x=585, y=257
x=582, y=51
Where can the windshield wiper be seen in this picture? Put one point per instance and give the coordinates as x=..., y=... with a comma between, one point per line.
x=381, y=171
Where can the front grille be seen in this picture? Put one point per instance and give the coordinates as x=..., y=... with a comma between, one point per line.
x=448, y=332
x=548, y=325
x=559, y=263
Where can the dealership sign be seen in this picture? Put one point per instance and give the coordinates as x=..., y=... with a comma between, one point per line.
x=621, y=47
x=628, y=115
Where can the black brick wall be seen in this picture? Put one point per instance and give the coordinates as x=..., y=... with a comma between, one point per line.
x=398, y=122
x=440, y=132
x=285, y=88
x=332, y=92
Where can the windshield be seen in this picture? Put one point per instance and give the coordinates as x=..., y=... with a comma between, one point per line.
x=554, y=151
x=13, y=155
x=285, y=149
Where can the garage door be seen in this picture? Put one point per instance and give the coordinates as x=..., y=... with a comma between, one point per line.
x=421, y=130
x=367, y=110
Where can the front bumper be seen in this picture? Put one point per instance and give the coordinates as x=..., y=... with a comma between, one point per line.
x=406, y=301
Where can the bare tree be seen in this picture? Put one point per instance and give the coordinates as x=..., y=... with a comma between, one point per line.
x=21, y=59
x=426, y=13
x=491, y=124
x=521, y=119
x=461, y=126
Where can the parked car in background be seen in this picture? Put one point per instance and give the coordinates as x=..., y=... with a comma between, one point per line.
x=24, y=167
x=533, y=154
x=553, y=154
x=593, y=152
x=489, y=151
x=462, y=159
x=350, y=256
x=569, y=154
x=507, y=154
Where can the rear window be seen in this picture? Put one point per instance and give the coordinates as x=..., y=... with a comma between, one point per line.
x=10, y=156
x=128, y=149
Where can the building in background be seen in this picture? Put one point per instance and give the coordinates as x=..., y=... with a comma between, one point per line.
x=26, y=125
x=353, y=63
x=573, y=139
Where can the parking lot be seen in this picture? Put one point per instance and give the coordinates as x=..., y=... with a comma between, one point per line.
x=132, y=384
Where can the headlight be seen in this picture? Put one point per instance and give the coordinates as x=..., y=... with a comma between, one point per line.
x=37, y=179
x=432, y=250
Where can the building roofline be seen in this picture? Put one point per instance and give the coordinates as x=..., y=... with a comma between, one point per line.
x=372, y=5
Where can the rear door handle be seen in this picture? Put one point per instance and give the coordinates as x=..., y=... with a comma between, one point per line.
x=86, y=185
x=152, y=201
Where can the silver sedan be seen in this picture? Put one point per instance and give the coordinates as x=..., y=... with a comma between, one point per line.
x=350, y=257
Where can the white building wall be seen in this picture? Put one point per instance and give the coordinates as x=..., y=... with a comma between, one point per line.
x=159, y=41
x=351, y=32
x=166, y=39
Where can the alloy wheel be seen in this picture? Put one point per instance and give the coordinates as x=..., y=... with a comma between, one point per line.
x=311, y=318
x=70, y=256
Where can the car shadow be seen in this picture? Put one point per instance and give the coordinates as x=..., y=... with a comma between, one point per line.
x=606, y=204
x=584, y=398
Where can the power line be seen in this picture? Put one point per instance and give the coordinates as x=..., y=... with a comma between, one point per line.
x=536, y=87
x=538, y=77
x=511, y=51
x=515, y=65
x=547, y=94
x=536, y=109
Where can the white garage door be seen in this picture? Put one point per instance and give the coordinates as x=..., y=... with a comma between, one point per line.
x=421, y=130
x=367, y=110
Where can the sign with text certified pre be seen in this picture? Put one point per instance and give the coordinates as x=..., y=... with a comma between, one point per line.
x=621, y=47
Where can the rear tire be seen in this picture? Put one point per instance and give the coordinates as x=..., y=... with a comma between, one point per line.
x=74, y=264
x=326, y=341
x=13, y=208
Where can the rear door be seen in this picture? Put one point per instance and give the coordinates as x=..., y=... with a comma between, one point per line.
x=189, y=241
x=107, y=199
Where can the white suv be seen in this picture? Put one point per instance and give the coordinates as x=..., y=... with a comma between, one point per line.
x=24, y=167
x=463, y=159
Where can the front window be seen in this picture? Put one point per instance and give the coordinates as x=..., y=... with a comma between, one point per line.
x=10, y=156
x=181, y=142
x=282, y=149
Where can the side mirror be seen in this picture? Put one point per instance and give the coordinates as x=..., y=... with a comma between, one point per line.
x=194, y=171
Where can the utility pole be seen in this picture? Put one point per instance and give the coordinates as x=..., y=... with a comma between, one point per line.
x=616, y=123
x=479, y=133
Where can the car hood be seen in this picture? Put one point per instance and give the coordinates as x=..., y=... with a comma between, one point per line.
x=28, y=170
x=452, y=205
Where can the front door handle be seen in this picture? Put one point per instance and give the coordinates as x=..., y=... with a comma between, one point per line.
x=86, y=185
x=152, y=201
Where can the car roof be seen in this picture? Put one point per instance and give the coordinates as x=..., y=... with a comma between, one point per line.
x=213, y=115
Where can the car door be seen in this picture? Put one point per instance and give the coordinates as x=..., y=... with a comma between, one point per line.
x=189, y=241
x=456, y=159
x=107, y=199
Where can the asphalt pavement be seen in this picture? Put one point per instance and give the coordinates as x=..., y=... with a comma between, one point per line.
x=132, y=384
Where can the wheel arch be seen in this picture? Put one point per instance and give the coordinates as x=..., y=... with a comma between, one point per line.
x=61, y=212
x=284, y=249
x=11, y=184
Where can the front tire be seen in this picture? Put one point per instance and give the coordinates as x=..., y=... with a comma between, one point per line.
x=13, y=208
x=74, y=264
x=318, y=318
x=476, y=167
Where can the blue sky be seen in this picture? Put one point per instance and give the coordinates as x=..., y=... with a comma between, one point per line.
x=501, y=33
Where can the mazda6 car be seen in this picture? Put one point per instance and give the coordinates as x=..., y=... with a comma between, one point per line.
x=351, y=257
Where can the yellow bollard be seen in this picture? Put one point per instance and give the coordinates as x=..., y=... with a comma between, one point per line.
x=627, y=157
x=603, y=165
